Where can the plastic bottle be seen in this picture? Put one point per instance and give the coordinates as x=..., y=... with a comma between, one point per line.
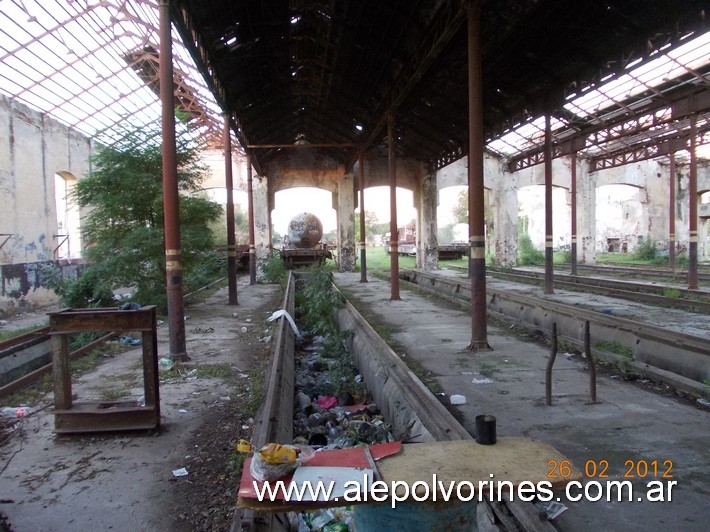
x=11, y=412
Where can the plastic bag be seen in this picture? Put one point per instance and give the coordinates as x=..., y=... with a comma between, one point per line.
x=274, y=460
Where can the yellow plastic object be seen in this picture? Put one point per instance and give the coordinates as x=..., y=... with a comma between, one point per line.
x=275, y=453
x=243, y=446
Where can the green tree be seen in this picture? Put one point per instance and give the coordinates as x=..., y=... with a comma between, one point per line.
x=124, y=231
x=460, y=208
x=371, y=225
x=218, y=226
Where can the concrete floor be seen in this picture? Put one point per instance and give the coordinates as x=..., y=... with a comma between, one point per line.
x=124, y=481
x=629, y=422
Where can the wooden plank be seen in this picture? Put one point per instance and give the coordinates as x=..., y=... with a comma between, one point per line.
x=102, y=319
x=514, y=459
x=90, y=417
x=61, y=372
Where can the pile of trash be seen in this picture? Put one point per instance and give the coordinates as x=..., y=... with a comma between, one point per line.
x=326, y=421
x=332, y=410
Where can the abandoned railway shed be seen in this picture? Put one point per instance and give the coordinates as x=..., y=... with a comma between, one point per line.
x=349, y=95
x=497, y=96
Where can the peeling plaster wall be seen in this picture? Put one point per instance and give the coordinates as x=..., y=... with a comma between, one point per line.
x=33, y=148
x=646, y=216
x=346, y=223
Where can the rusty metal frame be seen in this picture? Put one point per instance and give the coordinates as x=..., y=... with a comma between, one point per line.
x=46, y=66
x=100, y=416
x=72, y=60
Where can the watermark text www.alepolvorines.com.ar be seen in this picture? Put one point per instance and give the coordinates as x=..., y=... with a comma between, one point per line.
x=356, y=491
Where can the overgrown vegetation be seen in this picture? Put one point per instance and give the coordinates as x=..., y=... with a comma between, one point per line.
x=317, y=301
x=528, y=254
x=671, y=292
x=646, y=251
x=124, y=230
x=275, y=270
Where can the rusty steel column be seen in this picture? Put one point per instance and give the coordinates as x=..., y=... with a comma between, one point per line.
x=394, y=233
x=363, y=239
x=693, y=209
x=548, y=206
x=231, y=240
x=671, y=215
x=252, y=247
x=171, y=199
x=573, y=213
x=476, y=220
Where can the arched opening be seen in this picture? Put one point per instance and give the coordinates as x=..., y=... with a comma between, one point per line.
x=241, y=215
x=452, y=216
x=531, y=216
x=377, y=215
x=67, y=239
x=618, y=219
x=293, y=201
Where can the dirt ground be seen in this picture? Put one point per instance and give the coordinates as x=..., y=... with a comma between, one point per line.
x=124, y=480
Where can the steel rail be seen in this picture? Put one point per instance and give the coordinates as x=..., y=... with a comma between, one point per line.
x=688, y=300
x=675, y=357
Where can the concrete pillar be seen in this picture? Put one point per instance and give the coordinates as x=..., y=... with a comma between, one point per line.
x=573, y=212
x=417, y=204
x=504, y=196
x=262, y=222
x=346, y=223
x=586, y=213
x=428, y=245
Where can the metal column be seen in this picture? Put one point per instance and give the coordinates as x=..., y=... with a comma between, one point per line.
x=171, y=212
x=394, y=233
x=231, y=240
x=548, y=206
x=671, y=215
x=573, y=213
x=363, y=239
x=477, y=240
x=252, y=247
x=693, y=209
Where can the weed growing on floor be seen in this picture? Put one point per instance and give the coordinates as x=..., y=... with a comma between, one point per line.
x=275, y=271
x=616, y=347
x=114, y=395
x=671, y=292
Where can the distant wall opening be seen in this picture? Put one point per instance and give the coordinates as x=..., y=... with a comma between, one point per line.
x=531, y=216
x=67, y=239
x=619, y=219
x=288, y=203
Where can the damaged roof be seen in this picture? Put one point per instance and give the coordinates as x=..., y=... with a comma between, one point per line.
x=621, y=78
x=326, y=72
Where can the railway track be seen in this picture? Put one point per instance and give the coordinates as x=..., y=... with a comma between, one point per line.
x=677, y=358
x=406, y=403
x=652, y=294
x=26, y=358
x=644, y=272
